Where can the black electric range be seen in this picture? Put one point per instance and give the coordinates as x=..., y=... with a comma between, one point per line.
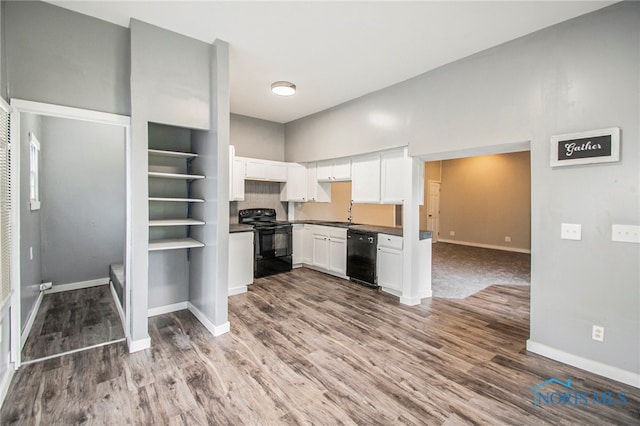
x=272, y=241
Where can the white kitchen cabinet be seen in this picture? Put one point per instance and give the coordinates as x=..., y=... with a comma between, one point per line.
x=307, y=244
x=236, y=176
x=338, y=252
x=389, y=262
x=336, y=170
x=295, y=188
x=265, y=170
x=365, y=183
x=393, y=170
x=319, y=192
x=330, y=249
x=320, y=249
x=298, y=245
x=240, y=261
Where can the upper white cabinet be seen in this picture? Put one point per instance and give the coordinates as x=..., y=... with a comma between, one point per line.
x=319, y=192
x=393, y=169
x=236, y=175
x=265, y=170
x=365, y=183
x=379, y=178
x=295, y=188
x=334, y=170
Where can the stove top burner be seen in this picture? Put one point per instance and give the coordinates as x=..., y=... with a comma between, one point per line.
x=260, y=218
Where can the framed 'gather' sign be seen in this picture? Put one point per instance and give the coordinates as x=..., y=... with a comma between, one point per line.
x=595, y=146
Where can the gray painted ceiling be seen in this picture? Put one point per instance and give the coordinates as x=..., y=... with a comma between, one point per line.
x=336, y=51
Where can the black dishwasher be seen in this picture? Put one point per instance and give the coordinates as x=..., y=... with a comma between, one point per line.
x=361, y=257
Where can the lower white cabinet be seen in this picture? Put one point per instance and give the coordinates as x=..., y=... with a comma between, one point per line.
x=330, y=249
x=307, y=245
x=323, y=248
x=298, y=244
x=240, y=261
x=389, y=262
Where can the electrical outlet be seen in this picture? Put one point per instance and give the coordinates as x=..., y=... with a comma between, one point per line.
x=507, y=239
x=598, y=333
x=625, y=233
x=571, y=231
x=452, y=233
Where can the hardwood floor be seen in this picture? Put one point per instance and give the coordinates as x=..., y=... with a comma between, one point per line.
x=307, y=348
x=72, y=320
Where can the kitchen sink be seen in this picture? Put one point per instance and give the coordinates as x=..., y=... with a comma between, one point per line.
x=336, y=223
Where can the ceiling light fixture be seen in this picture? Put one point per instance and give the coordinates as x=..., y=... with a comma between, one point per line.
x=283, y=88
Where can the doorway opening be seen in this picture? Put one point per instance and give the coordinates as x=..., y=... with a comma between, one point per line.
x=65, y=299
x=479, y=211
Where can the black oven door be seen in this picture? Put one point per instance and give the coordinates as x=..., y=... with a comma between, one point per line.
x=273, y=247
x=273, y=242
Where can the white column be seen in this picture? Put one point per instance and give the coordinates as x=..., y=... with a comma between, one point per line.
x=416, y=281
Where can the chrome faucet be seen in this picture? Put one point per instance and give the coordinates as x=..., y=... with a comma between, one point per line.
x=350, y=212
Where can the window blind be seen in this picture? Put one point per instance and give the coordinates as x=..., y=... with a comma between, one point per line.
x=5, y=207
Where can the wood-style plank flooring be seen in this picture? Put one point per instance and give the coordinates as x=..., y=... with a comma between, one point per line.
x=307, y=348
x=72, y=320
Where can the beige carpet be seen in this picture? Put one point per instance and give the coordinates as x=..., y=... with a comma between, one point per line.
x=460, y=271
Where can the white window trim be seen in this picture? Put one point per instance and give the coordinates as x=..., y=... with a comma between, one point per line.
x=34, y=172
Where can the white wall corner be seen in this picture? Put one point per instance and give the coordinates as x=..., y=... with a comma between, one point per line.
x=214, y=329
x=238, y=290
x=610, y=372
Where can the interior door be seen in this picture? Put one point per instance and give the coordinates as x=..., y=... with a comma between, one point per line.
x=433, y=209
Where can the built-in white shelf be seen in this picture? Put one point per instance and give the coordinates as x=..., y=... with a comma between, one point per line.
x=177, y=200
x=174, y=244
x=175, y=222
x=174, y=154
x=174, y=176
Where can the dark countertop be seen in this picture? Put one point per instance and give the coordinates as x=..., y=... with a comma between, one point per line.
x=235, y=227
x=371, y=228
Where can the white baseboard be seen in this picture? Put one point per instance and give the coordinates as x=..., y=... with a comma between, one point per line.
x=6, y=381
x=614, y=373
x=410, y=301
x=216, y=330
x=77, y=286
x=237, y=290
x=24, y=335
x=116, y=299
x=138, y=345
x=167, y=309
x=489, y=246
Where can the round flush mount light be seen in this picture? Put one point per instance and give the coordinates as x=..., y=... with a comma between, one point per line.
x=283, y=88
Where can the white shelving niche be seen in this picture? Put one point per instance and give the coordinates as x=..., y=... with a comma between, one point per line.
x=170, y=200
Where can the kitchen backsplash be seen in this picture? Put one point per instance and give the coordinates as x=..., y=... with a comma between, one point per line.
x=257, y=195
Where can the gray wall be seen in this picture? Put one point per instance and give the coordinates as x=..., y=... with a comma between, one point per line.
x=172, y=83
x=83, y=199
x=66, y=58
x=30, y=236
x=255, y=138
x=579, y=75
x=209, y=287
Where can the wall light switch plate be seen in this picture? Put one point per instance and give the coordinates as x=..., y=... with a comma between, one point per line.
x=625, y=233
x=571, y=231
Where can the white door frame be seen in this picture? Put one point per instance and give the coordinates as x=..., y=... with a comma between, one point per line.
x=23, y=106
